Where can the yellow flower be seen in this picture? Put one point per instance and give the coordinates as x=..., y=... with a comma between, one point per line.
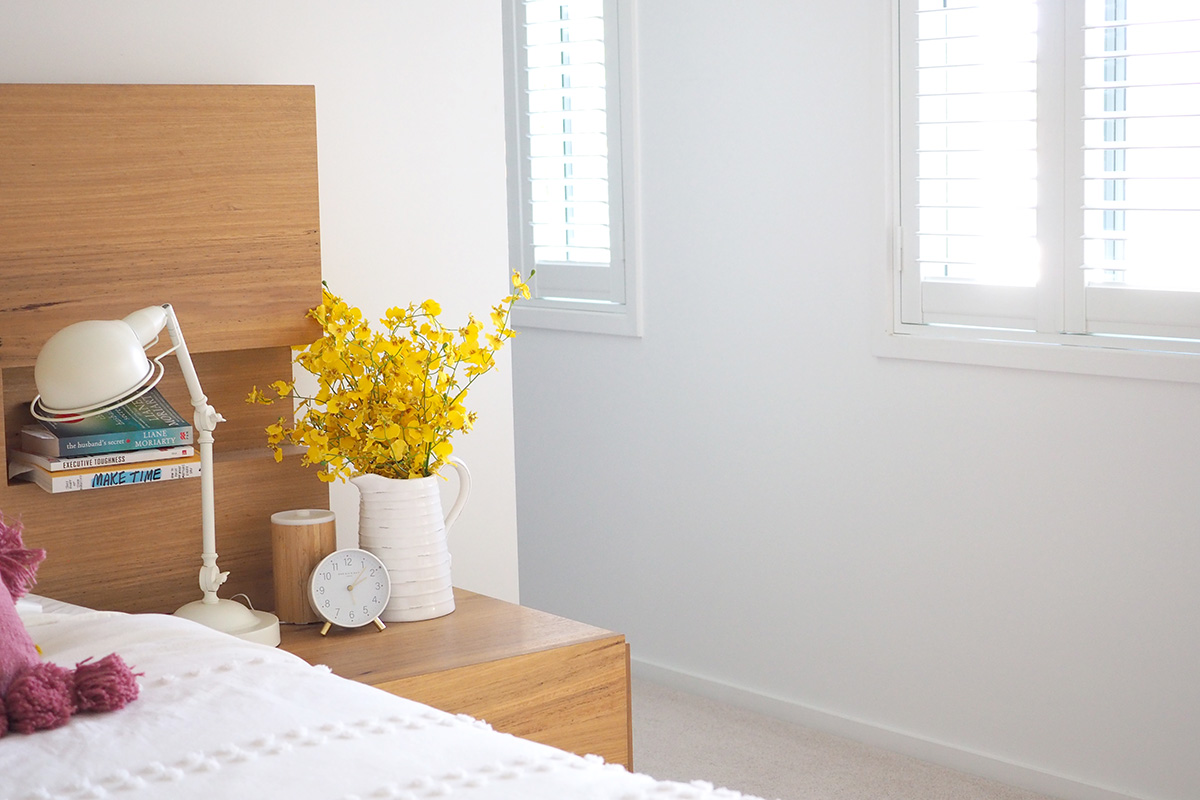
x=258, y=397
x=386, y=402
x=520, y=286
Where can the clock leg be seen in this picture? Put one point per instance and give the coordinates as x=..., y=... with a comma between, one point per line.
x=379, y=623
x=325, y=628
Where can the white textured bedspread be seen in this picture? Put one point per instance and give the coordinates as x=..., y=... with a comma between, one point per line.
x=221, y=719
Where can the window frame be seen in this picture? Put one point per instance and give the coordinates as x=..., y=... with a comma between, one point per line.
x=1108, y=348
x=573, y=297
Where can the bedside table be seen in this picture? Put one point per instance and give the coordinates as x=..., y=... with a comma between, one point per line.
x=526, y=672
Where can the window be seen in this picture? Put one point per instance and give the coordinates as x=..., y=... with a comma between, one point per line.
x=1049, y=172
x=570, y=170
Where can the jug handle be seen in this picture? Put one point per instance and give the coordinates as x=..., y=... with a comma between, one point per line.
x=464, y=489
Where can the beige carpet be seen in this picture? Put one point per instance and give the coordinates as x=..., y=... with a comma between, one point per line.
x=681, y=737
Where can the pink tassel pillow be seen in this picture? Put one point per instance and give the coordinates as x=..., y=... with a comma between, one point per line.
x=35, y=695
x=18, y=568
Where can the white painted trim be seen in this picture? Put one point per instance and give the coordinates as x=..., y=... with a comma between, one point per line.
x=941, y=753
x=892, y=338
x=569, y=315
x=994, y=349
x=617, y=309
x=1062, y=301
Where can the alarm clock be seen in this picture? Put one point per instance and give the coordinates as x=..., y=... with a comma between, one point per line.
x=349, y=588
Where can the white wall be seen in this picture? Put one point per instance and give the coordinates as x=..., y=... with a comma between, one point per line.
x=994, y=568
x=410, y=130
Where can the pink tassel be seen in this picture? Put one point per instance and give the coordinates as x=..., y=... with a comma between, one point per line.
x=104, y=685
x=40, y=697
x=18, y=565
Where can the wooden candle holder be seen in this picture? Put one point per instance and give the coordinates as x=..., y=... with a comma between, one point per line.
x=299, y=540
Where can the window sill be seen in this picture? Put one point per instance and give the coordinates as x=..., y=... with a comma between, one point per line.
x=578, y=318
x=1081, y=359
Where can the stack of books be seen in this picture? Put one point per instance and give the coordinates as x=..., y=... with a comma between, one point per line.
x=144, y=441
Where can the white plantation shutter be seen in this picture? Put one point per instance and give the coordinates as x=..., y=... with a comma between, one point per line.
x=977, y=140
x=1141, y=166
x=566, y=171
x=1050, y=167
x=970, y=211
x=568, y=143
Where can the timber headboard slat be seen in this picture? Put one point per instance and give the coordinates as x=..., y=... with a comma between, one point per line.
x=117, y=197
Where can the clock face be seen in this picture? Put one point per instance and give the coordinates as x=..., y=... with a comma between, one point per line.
x=349, y=588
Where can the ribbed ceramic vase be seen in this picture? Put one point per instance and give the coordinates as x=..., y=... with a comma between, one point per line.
x=402, y=522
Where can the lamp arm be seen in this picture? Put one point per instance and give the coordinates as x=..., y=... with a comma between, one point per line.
x=205, y=419
x=199, y=400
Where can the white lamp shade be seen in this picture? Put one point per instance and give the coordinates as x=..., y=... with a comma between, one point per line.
x=89, y=364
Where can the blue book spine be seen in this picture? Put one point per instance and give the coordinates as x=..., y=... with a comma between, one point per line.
x=87, y=444
x=129, y=440
x=144, y=422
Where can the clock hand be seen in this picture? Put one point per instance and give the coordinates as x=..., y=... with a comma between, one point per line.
x=357, y=579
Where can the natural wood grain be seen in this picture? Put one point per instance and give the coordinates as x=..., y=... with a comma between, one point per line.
x=574, y=698
x=118, y=197
x=480, y=629
x=296, y=549
x=526, y=672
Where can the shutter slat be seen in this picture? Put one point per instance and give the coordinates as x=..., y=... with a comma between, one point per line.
x=1141, y=183
x=976, y=132
x=567, y=141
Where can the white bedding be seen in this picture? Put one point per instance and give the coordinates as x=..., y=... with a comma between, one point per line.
x=221, y=718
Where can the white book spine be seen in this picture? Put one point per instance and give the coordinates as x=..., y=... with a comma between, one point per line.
x=103, y=459
x=101, y=479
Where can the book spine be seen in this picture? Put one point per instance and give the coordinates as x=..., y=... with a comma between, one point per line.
x=130, y=440
x=103, y=459
x=102, y=479
x=148, y=412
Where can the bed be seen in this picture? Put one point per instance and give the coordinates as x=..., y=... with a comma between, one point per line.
x=220, y=717
x=119, y=197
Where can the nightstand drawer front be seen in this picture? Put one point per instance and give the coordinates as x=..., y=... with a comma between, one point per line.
x=526, y=672
x=575, y=698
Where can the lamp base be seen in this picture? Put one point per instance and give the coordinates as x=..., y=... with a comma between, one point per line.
x=235, y=619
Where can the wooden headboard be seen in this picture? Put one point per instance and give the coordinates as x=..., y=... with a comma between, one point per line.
x=113, y=198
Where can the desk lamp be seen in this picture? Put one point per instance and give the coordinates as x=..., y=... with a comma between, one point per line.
x=92, y=367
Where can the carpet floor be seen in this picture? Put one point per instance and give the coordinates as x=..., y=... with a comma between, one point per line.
x=681, y=737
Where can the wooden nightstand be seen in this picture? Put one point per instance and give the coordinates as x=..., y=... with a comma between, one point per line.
x=525, y=672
